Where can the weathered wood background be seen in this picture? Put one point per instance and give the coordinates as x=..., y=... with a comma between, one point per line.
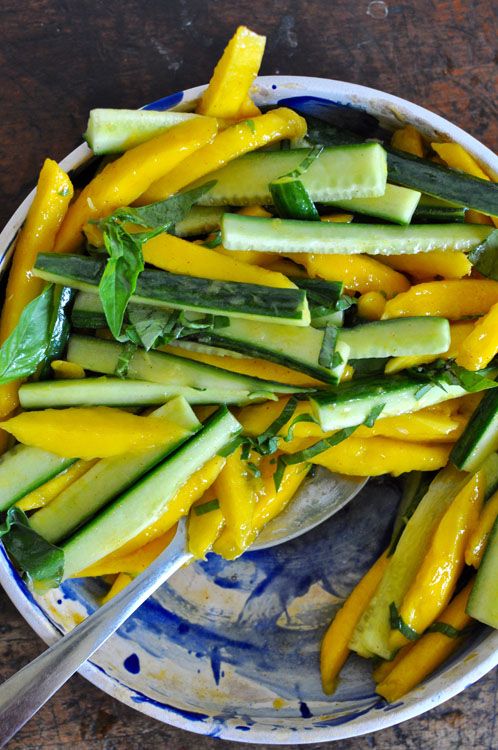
x=59, y=58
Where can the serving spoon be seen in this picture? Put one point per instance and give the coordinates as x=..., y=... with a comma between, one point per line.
x=28, y=690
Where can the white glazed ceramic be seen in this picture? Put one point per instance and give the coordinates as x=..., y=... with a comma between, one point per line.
x=231, y=649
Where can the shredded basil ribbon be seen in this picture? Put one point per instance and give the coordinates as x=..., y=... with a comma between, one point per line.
x=327, y=350
x=449, y=630
x=207, y=507
x=397, y=623
x=484, y=257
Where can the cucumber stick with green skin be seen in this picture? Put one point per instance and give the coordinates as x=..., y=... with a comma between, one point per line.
x=24, y=468
x=357, y=171
x=147, y=500
x=398, y=204
x=480, y=437
x=434, y=210
x=405, y=336
x=351, y=403
x=483, y=601
x=199, y=220
x=291, y=236
x=165, y=369
x=112, y=131
x=168, y=290
x=108, y=478
x=296, y=348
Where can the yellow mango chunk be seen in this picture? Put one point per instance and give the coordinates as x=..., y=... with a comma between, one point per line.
x=378, y=455
x=193, y=489
x=204, y=527
x=434, y=584
x=53, y=193
x=459, y=330
x=133, y=563
x=371, y=305
x=385, y=666
x=255, y=211
x=420, y=427
x=338, y=218
x=271, y=502
x=359, y=273
x=235, y=489
x=480, y=533
x=283, y=265
x=408, y=139
x=236, y=140
x=228, y=92
x=424, y=266
x=64, y=370
x=122, y=580
x=176, y=255
x=448, y=299
x=91, y=432
x=259, y=368
x=481, y=345
x=47, y=492
x=122, y=181
x=428, y=653
x=248, y=109
x=335, y=644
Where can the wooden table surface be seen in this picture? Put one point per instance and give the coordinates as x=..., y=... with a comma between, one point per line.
x=59, y=58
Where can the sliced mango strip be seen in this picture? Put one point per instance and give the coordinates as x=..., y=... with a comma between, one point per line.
x=448, y=299
x=248, y=109
x=425, y=266
x=435, y=582
x=271, y=502
x=179, y=256
x=371, y=305
x=335, y=644
x=358, y=272
x=385, y=667
x=456, y=157
x=234, y=141
x=259, y=368
x=204, y=527
x=378, y=455
x=122, y=580
x=428, y=653
x=481, y=345
x=134, y=562
x=91, y=432
x=67, y=370
x=53, y=193
x=47, y=492
x=459, y=330
x=227, y=95
x=123, y=180
x=480, y=534
x=408, y=139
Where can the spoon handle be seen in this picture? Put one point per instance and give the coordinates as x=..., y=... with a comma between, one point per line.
x=27, y=691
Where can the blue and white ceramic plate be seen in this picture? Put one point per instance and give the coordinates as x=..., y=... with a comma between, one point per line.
x=230, y=649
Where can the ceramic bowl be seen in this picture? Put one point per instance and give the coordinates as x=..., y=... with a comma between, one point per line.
x=230, y=649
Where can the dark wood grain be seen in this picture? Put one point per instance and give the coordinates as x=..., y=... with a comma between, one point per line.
x=59, y=58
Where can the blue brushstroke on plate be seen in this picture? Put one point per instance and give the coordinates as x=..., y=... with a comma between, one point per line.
x=167, y=102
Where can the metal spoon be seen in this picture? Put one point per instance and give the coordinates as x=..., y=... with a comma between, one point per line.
x=28, y=690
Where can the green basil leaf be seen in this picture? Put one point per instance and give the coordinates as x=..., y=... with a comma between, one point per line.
x=27, y=345
x=397, y=623
x=207, y=507
x=327, y=350
x=485, y=256
x=164, y=214
x=33, y=555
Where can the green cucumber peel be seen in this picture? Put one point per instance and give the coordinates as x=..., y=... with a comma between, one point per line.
x=397, y=623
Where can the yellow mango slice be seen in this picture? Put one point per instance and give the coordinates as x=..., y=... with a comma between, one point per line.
x=235, y=489
x=359, y=273
x=459, y=330
x=371, y=305
x=259, y=368
x=434, y=584
x=271, y=502
x=408, y=139
x=53, y=193
x=337, y=218
x=47, y=492
x=204, y=528
x=424, y=266
x=133, y=563
x=123, y=180
x=90, y=432
x=335, y=644
x=480, y=533
x=228, y=92
x=248, y=109
x=481, y=345
x=236, y=140
x=448, y=299
x=64, y=370
x=176, y=255
x=122, y=580
x=378, y=455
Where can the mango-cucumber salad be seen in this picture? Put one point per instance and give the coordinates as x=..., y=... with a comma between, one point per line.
x=234, y=296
